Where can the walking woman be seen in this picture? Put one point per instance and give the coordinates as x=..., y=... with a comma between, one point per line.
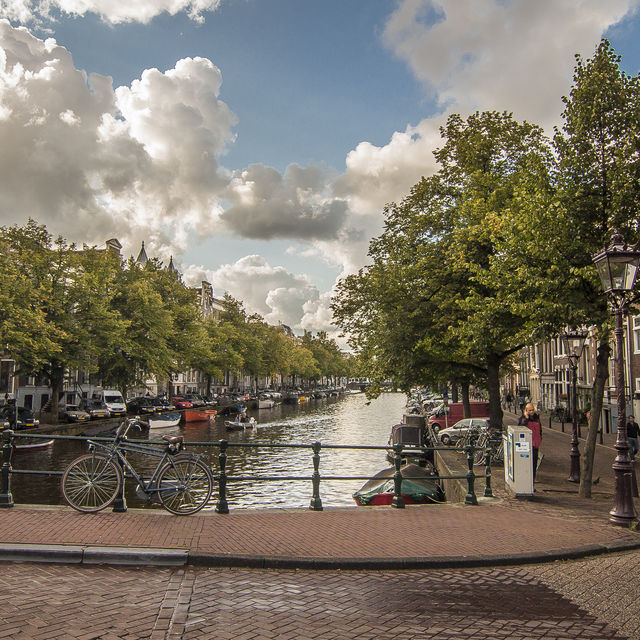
x=531, y=420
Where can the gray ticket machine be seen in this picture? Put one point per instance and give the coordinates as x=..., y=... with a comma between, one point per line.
x=518, y=461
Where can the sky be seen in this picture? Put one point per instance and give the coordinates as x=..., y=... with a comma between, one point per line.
x=257, y=141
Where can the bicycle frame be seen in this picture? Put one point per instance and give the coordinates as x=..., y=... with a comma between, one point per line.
x=117, y=452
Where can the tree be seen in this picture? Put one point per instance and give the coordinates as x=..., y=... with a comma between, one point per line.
x=24, y=330
x=598, y=191
x=439, y=299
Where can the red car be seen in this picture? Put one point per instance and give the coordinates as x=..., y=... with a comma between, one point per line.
x=181, y=403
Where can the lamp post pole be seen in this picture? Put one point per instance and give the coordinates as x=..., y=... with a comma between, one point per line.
x=617, y=267
x=574, y=472
x=623, y=512
x=574, y=340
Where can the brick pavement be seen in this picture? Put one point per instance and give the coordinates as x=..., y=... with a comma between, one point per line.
x=550, y=601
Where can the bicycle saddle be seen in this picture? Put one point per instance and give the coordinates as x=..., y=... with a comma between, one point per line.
x=173, y=439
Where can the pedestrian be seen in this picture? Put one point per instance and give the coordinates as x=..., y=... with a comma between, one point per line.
x=633, y=431
x=509, y=401
x=531, y=420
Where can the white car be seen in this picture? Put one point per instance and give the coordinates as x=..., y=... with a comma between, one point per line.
x=451, y=435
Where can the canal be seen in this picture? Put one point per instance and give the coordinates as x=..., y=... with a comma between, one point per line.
x=346, y=420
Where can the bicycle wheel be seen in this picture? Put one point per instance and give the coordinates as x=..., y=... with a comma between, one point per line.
x=184, y=485
x=91, y=482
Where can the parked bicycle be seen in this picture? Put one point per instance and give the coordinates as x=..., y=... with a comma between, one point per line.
x=181, y=482
x=495, y=446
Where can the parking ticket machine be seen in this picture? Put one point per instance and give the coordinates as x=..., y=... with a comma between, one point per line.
x=518, y=461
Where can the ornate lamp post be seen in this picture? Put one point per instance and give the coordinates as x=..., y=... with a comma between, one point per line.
x=574, y=341
x=617, y=266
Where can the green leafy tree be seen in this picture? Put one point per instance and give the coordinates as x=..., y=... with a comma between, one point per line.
x=598, y=191
x=439, y=298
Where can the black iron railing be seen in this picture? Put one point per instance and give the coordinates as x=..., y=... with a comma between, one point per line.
x=400, y=453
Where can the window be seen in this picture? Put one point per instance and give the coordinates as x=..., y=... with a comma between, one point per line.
x=636, y=334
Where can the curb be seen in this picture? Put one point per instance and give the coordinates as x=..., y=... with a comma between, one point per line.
x=75, y=554
x=141, y=556
x=440, y=562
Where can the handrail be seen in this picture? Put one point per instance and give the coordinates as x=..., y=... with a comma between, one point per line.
x=399, y=451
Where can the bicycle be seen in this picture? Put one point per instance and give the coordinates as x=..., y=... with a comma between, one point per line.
x=494, y=445
x=181, y=482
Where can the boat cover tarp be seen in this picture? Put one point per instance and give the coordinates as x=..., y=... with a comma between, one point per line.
x=418, y=485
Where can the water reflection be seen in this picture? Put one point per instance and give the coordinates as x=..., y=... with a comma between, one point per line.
x=348, y=420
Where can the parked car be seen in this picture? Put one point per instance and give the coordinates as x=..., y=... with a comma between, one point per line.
x=195, y=399
x=451, y=435
x=113, y=399
x=182, y=403
x=140, y=406
x=73, y=413
x=161, y=404
x=444, y=415
x=96, y=409
x=25, y=417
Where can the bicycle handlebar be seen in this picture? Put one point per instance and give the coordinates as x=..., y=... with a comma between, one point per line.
x=126, y=424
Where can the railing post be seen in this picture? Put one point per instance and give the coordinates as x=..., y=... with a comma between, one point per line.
x=222, y=506
x=398, y=500
x=316, y=502
x=487, y=472
x=6, y=499
x=470, y=498
x=120, y=503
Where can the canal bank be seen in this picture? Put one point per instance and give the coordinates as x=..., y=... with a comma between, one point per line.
x=555, y=524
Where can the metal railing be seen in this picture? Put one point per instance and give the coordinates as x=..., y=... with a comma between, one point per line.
x=400, y=452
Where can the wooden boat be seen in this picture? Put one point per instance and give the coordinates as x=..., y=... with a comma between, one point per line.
x=199, y=415
x=419, y=486
x=162, y=420
x=32, y=445
x=232, y=425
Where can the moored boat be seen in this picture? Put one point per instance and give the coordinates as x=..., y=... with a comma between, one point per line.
x=31, y=445
x=162, y=420
x=199, y=415
x=419, y=486
x=266, y=403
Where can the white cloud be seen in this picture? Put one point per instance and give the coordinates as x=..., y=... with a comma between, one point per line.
x=113, y=11
x=139, y=162
x=513, y=55
x=297, y=204
x=273, y=292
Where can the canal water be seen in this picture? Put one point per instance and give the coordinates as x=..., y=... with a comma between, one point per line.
x=347, y=420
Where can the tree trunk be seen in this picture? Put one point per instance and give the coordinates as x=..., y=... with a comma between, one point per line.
x=464, y=392
x=57, y=379
x=597, y=395
x=454, y=394
x=493, y=387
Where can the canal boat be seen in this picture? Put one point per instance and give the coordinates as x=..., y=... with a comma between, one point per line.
x=420, y=485
x=31, y=445
x=162, y=420
x=239, y=425
x=199, y=415
x=410, y=436
x=265, y=402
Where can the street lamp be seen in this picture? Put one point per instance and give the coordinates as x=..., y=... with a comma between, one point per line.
x=617, y=267
x=574, y=341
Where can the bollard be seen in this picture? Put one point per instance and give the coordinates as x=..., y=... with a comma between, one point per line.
x=470, y=498
x=487, y=473
x=398, y=500
x=222, y=506
x=120, y=503
x=6, y=499
x=316, y=502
